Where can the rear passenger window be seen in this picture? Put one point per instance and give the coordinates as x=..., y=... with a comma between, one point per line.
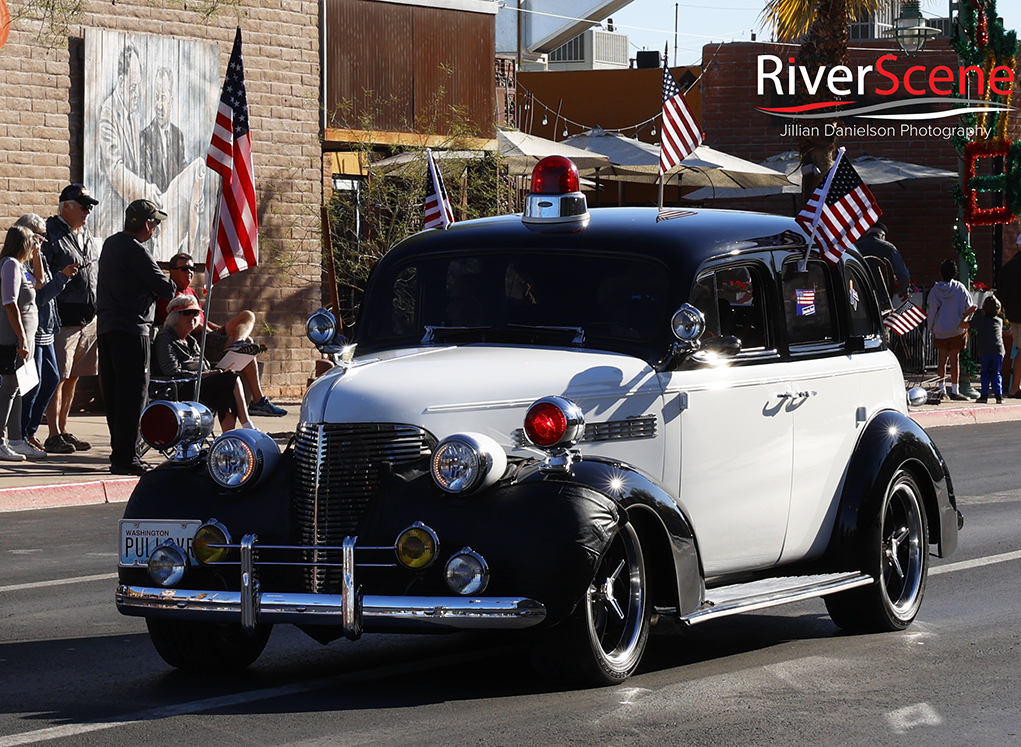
x=807, y=300
x=733, y=302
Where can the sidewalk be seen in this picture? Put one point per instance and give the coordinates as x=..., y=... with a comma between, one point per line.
x=84, y=477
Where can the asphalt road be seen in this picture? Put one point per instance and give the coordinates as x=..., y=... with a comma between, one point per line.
x=73, y=671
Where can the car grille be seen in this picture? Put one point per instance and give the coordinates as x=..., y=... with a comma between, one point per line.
x=337, y=472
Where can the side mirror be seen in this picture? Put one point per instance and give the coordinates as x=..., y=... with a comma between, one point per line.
x=718, y=350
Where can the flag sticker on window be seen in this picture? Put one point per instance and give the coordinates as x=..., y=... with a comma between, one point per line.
x=805, y=302
x=852, y=295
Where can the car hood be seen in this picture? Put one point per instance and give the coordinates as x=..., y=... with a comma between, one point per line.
x=481, y=388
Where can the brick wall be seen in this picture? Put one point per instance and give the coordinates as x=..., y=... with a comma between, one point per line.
x=920, y=214
x=41, y=121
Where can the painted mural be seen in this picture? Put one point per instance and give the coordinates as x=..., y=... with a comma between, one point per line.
x=150, y=103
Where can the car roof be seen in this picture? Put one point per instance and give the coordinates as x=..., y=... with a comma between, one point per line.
x=689, y=237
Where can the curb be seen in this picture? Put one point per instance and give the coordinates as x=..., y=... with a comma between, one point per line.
x=66, y=494
x=936, y=416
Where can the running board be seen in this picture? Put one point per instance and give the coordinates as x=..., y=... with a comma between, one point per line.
x=770, y=592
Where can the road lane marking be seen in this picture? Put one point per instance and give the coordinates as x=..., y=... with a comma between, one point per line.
x=253, y=696
x=59, y=582
x=920, y=714
x=975, y=563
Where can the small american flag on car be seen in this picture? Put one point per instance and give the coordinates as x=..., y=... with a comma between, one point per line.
x=805, y=300
x=905, y=318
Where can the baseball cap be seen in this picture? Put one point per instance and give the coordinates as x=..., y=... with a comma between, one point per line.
x=79, y=193
x=144, y=210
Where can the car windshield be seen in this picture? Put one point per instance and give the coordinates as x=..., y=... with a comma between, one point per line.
x=616, y=302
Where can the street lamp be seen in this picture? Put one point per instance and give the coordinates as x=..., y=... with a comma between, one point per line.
x=910, y=30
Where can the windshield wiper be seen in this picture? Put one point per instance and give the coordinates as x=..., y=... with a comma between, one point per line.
x=510, y=333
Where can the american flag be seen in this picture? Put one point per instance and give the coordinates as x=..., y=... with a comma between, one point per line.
x=438, y=213
x=236, y=245
x=839, y=212
x=805, y=302
x=905, y=318
x=681, y=133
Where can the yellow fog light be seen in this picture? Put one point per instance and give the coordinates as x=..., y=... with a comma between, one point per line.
x=206, y=545
x=417, y=546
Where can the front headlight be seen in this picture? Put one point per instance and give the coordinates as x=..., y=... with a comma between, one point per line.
x=242, y=458
x=467, y=462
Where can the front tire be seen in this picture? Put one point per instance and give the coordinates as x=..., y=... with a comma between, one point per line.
x=602, y=641
x=197, y=646
x=896, y=553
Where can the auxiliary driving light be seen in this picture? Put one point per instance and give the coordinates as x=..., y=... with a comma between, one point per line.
x=467, y=462
x=467, y=572
x=167, y=564
x=205, y=544
x=417, y=546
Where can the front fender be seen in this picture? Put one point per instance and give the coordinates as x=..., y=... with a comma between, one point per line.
x=889, y=441
x=665, y=531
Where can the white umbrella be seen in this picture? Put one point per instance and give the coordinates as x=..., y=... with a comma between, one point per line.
x=637, y=161
x=523, y=151
x=872, y=170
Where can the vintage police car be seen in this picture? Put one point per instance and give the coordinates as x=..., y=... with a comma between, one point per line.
x=563, y=423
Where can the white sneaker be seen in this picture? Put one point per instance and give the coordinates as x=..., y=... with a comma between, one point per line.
x=27, y=450
x=7, y=455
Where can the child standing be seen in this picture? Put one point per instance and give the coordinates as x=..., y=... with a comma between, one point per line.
x=989, y=327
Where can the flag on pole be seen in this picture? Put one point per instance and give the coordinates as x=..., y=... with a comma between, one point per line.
x=905, y=318
x=839, y=212
x=438, y=213
x=235, y=246
x=681, y=133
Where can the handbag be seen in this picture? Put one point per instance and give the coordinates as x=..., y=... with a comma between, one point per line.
x=10, y=361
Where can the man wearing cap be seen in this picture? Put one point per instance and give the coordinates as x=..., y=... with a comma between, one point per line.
x=130, y=281
x=69, y=242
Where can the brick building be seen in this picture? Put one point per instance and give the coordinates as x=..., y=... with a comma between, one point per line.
x=42, y=105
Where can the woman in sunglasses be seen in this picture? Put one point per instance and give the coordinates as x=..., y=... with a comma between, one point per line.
x=176, y=355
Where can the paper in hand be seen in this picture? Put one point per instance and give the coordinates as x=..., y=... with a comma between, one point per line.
x=232, y=361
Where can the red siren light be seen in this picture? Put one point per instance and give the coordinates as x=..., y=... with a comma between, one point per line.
x=555, y=175
x=556, y=194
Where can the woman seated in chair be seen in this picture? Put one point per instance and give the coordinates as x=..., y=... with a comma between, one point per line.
x=176, y=356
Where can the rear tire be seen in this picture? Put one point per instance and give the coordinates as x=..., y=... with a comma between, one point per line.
x=602, y=641
x=896, y=553
x=199, y=646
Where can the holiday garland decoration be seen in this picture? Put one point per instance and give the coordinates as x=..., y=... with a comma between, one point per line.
x=984, y=43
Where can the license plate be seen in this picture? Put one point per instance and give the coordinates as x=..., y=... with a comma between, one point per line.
x=140, y=538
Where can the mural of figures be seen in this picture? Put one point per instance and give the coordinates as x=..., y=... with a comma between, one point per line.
x=150, y=103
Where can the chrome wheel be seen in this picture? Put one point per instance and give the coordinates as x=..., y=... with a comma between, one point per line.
x=896, y=553
x=602, y=641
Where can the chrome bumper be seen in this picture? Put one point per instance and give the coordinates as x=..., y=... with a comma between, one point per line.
x=328, y=609
x=349, y=609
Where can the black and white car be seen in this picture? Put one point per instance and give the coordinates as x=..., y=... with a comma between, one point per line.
x=566, y=423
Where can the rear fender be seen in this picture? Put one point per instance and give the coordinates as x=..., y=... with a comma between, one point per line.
x=892, y=440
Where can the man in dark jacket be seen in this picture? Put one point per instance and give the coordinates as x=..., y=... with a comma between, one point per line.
x=874, y=244
x=68, y=242
x=1008, y=290
x=130, y=281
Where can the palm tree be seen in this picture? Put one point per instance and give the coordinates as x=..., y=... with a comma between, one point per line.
x=821, y=27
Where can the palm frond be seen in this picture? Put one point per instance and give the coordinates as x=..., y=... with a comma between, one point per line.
x=789, y=20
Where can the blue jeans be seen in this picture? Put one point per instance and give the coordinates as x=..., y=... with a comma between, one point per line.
x=991, y=365
x=33, y=404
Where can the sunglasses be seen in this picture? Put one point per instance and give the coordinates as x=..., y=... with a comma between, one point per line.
x=186, y=268
x=190, y=312
x=86, y=208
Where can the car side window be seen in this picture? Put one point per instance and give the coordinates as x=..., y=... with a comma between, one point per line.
x=733, y=301
x=808, y=303
x=861, y=311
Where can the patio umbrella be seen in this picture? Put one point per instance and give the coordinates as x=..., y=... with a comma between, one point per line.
x=636, y=161
x=872, y=170
x=523, y=151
